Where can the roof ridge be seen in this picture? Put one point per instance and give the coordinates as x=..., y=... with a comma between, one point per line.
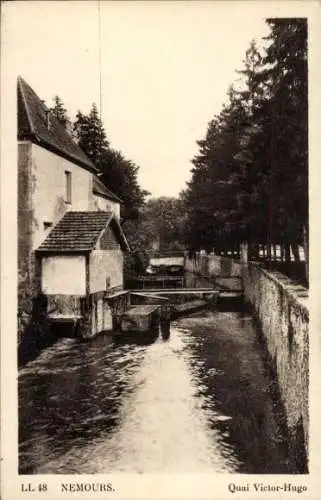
x=22, y=92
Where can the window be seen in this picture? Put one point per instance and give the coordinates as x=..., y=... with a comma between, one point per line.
x=68, y=186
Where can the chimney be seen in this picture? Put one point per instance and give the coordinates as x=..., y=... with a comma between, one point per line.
x=47, y=111
x=47, y=114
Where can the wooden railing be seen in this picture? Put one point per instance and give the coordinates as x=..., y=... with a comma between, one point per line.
x=165, y=253
x=160, y=281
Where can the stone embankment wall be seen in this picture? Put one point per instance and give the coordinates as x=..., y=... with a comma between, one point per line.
x=282, y=311
x=281, y=308
x=224, y=272
x=214, y=266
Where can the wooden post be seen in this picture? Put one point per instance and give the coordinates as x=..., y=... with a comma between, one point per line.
x=244, y=251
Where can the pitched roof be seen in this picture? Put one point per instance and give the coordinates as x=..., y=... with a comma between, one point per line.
x=32, y=125
x=79, y=232
x=100, y=189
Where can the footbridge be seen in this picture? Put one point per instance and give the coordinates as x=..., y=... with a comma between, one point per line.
x=190, y=283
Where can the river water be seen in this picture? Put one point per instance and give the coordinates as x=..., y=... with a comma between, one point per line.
x=200, y=401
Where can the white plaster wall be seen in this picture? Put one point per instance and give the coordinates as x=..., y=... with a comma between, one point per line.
x=49, y=190
x=104, y=205
x=63, y=274
x=105, y=264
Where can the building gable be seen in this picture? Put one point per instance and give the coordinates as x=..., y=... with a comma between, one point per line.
x=108, y=240
x=37, y=124
x=100, y=189
x=79, y=232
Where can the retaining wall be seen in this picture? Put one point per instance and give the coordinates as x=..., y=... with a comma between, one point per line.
x=214, y=265
x=281, y=309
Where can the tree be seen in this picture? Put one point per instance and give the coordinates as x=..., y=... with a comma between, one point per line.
x=254, y=149
x=60, y=112
x=116, y=172
x=90, y=135
x=162, y=221
x=121, y=176
x=252, y=156
x=287, y=75
x=215, y=204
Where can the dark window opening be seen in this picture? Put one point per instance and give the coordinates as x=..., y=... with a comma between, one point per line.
x=68, y=187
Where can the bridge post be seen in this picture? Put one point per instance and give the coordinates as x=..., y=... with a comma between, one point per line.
x=244, y=251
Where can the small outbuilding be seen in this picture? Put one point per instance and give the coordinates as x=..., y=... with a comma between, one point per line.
x=81, y=269
x=166, y=265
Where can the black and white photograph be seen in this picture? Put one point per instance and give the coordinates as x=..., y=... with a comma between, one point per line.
x=161, y=224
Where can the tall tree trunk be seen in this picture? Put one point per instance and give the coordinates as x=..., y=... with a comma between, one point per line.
x=269, y=253
x=266, y=251
x=282, y=252
x=244, y=252
x=287, y=252
x=254, y=252
x=306, y=252
x=295, y=251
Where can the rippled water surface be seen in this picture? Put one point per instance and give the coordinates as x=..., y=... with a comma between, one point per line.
x=199, y=401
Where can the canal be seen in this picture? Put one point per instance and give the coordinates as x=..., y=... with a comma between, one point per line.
x=200, y=401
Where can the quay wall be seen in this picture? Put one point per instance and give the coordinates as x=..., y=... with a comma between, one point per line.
x=280, y=307
x=214, y=266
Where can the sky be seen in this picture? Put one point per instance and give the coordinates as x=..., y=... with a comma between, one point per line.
x=163, y=69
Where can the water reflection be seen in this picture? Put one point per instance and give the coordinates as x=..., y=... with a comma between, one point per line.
x=197, y=401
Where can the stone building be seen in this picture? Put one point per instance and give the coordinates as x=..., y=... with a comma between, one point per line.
x=60, y=196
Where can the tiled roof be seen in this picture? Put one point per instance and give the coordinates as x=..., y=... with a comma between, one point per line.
x=79, y=232
x=32, y=125
x=100, y=189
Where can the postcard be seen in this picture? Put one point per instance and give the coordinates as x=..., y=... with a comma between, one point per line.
x=160, y=283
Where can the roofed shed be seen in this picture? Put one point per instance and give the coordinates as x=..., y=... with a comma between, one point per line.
x=82, y=258
x=83, y=254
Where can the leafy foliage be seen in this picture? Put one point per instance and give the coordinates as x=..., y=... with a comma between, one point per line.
x=162, y=223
